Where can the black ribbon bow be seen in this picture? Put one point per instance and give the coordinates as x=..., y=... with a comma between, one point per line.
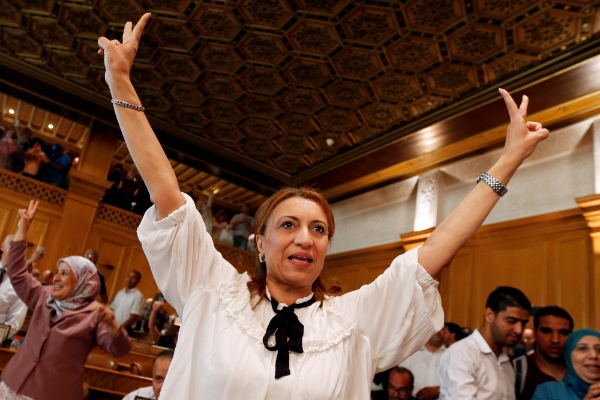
x=284, y=325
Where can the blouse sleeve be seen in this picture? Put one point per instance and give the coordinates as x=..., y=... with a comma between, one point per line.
x=182, y=254
x=117, y=346
x=26, y=286
x=398, y=312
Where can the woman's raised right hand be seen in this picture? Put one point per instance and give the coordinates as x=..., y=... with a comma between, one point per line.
x=119, y=57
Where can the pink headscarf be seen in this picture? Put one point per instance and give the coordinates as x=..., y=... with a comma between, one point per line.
x=86, y=289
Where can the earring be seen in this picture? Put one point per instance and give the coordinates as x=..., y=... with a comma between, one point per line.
x=261, y=258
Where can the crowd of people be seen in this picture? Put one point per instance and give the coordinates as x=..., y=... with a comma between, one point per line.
x=498, y=361
x=22, y=153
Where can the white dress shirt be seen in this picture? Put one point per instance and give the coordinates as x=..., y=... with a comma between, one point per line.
x=425, y=366
x=127, y=302
x=470, y=370
x=347, y=339
x=12, y=310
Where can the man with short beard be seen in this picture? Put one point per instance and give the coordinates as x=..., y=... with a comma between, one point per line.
x=477, y=367
x=552, y=327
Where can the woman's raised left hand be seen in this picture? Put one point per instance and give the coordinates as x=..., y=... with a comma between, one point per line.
x=106, y=316
x=523, y=136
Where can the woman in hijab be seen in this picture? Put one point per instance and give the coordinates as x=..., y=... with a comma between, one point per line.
x=66, y=325
x=582, y=381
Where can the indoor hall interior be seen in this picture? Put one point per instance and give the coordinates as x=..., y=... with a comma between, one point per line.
x=390, y=108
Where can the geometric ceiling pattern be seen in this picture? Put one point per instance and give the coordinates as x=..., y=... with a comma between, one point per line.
x=294, y=83
x=72, y=135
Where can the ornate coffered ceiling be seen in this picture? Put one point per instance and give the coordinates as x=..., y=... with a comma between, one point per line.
x=294, y=88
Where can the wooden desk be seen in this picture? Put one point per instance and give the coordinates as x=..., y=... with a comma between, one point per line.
x=100, y=379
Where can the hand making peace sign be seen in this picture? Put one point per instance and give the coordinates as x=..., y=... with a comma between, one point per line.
x=118, y=57
x=522, y=136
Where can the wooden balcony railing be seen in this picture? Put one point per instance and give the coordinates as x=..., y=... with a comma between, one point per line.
x=32, y=188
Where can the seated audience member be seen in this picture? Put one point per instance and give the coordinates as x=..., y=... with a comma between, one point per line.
x=115, y=174
x=242, y=227
x=32, y=160
x=92, y=255
x=8, y=148
x=582, y=380
x=35, y=273
x=204, y=206
x=160, y=368
x=425, y=366
x=65, y=326
x=128, y=304
x=476, y=367
x=47, y=277
x=552, y=326
x=528, y=340
x=126, y=189
x=57, y=166
x=37, y=255
x=452, y=333
x=168, y=335
x=401, y=384
x=219, y=223
x=12, y=309
x=141, y=198
x=23, y=142
x=141, y=325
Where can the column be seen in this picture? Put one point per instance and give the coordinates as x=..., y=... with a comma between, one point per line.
x=88, y=184
x=430, y=196
x=590, y=207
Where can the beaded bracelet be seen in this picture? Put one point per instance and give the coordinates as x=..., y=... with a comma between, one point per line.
x=127, y=105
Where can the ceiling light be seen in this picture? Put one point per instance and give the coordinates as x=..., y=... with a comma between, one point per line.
x=50, y=126
x=11, y=111
x=329, y=142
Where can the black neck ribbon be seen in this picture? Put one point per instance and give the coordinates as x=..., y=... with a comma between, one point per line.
x=285, y=325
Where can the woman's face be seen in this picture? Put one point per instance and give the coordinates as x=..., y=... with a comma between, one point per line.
x=586, y=359
x=64, y=282
x=295, y=243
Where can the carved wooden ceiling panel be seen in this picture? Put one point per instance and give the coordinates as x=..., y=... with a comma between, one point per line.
x=295, y=83
x=72, y=135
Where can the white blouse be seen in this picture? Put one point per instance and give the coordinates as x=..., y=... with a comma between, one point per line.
x=220, y=353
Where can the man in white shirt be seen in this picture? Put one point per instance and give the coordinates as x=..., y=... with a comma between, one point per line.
x=128, y=304
x=425, y=366
x=12, y=309
x=477, y=367
x=160, y=367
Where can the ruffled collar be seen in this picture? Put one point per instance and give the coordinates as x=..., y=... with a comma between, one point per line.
x=299, y=301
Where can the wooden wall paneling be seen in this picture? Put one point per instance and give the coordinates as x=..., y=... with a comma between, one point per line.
x=455, y=289
x=358, y=267
x=574, y=283
x=4, y=218
x=517, y=264
x=549, y=257
x=111, y=251
x=351, y=278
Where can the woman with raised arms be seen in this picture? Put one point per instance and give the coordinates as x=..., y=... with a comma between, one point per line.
x=281, y=333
